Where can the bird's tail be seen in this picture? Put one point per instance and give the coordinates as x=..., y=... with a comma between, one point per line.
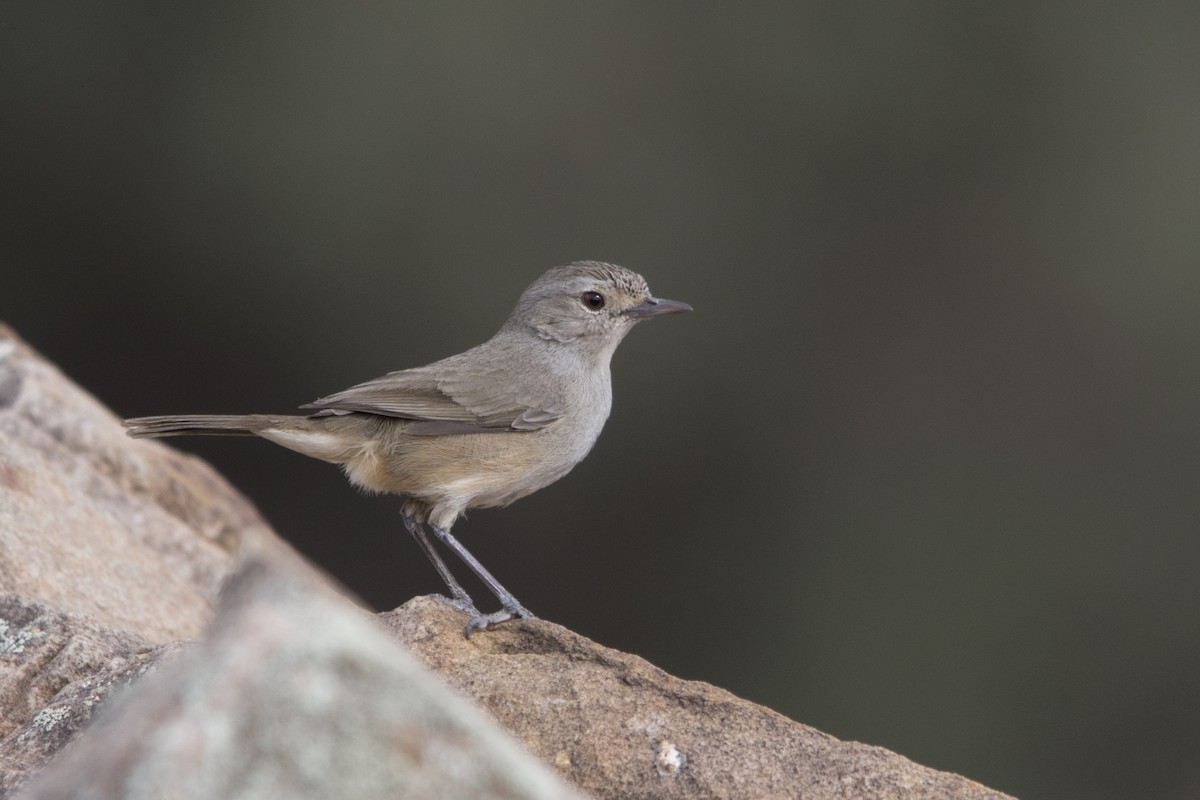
x=199, y=424
x=336, y=439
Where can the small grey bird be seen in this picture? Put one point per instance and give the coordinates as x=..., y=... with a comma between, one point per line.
x=475, y=430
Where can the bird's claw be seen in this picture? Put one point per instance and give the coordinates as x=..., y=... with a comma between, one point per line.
x=463, y=604
x=481, y=621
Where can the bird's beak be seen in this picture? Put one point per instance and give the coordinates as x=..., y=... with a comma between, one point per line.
x=655, y=307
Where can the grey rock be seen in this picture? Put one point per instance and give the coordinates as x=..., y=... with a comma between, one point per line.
x=293, y=693
x=56, y=669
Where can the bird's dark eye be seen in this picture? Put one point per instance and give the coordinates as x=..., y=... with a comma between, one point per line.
x=593, y=300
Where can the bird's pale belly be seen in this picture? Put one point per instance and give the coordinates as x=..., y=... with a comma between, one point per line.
x=464, y=471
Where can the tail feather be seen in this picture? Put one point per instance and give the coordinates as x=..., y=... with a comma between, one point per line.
x=196, y=424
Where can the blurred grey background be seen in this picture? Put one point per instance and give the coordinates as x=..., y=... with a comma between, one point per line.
x=921, y=469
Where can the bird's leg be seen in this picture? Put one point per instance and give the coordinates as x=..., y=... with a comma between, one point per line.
x=458, y=595
x=511, y=609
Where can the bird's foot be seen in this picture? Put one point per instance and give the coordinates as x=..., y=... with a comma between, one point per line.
x=481, y=621
x=462, y=603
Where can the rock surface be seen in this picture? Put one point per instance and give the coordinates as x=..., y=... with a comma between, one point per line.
x=55, y=668
x=294, y=693
x=617, y=726
x=111, y=549
x=130, y=533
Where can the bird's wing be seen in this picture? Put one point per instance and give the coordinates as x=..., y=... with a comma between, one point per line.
x=445, y=401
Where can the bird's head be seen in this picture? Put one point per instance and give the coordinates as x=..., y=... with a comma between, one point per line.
x=589, y=306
